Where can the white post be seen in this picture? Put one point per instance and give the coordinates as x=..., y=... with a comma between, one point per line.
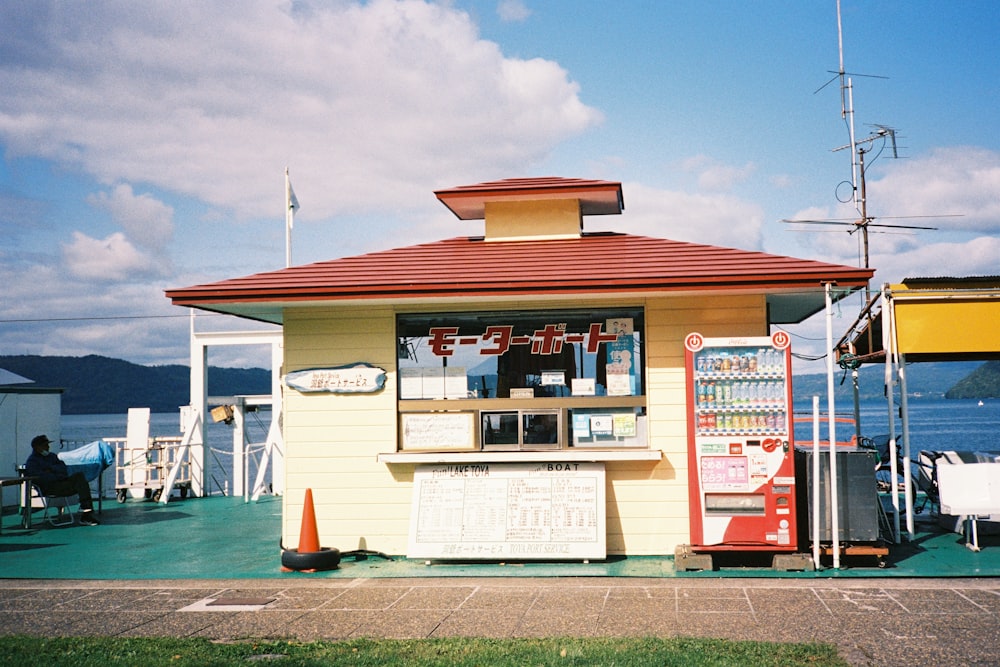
x=273, y=449
x=185, y=447
x=832, y=430
x=888, y=346
x=900, y=361
x=277, y=415
x=199, y=403
x=239, y=447
x=907, y=481
x=816, y=490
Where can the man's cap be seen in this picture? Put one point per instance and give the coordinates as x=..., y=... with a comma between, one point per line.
x=40, y=440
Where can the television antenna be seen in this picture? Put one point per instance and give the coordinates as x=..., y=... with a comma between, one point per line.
x=887, y=136
x=882, y=136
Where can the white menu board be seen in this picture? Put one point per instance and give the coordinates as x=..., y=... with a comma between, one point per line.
x=438, y=431
x=508, y=511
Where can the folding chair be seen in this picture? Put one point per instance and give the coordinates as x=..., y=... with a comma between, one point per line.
x=62, y=515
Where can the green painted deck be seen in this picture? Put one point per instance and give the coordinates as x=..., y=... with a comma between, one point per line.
x=225, y=538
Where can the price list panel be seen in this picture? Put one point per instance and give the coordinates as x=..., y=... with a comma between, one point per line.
x=509, y=511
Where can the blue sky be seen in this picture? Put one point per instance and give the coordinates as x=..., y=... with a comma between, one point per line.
x=144, y=144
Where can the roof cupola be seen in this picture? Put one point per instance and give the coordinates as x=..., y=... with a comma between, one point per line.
x=518, y=209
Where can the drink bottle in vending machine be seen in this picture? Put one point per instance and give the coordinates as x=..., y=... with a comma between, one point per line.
x=741, y=471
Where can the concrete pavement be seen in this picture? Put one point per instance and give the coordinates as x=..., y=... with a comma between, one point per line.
x=872, y=622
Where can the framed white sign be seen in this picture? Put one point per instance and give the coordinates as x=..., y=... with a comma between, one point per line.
x=438, y=431
x=359, y=378
x=509, y=511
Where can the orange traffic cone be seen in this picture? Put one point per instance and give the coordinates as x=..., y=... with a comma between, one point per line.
x=308, y=534
x=309, y=557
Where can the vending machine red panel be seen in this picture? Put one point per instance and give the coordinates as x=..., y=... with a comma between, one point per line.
x=741, y=469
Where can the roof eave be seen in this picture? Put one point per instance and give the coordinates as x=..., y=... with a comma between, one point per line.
x=595, y=197
x=266, y=307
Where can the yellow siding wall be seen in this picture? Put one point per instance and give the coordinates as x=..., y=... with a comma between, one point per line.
x=653, y=513
x=532, y=219
x=333, y=440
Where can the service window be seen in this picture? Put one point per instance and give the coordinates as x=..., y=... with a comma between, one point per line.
x=526, y=430
x=516, y=354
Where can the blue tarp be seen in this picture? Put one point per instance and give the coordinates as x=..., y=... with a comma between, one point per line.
x=90, y=459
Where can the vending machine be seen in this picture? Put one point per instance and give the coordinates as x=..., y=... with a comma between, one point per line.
x=741, y=468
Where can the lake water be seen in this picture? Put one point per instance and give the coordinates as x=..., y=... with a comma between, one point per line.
x=219, y=437
x=935, y=424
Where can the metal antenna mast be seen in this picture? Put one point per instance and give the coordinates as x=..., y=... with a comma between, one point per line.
x=847, y=105
x=860, y=196
x=859, y=148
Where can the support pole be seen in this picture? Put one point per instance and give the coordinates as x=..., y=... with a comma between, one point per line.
x=888, y=345
x=816, y=489
x=907, y=481
x=199, y=405
x=239, y=487
x=832, y=430
x=277, y=415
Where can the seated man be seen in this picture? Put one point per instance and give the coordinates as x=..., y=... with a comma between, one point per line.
x=53, y=478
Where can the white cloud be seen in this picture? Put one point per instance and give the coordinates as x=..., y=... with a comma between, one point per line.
x=956, y=180
x=512, y=11
x=723, y=220
x=962, y=180
x=717, y=177
x=371, y=105
x=976, y=257
x=147, y=221
x=107, y=259
x=782, y=181
x=49, y=310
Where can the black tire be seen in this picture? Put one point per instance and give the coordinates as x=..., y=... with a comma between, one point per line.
x=121, y=495
x=184, y=492
x=156, y=495
x=327, y=558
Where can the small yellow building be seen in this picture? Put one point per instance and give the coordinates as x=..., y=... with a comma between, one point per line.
x=535, y=349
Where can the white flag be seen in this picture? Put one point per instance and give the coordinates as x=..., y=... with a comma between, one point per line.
x=292, y=200
x=291, y=204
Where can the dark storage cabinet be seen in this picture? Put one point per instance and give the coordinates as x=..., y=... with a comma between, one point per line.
x=857, y=498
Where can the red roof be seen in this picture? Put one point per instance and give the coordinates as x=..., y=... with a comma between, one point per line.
x=599, y=264
x=468, y=202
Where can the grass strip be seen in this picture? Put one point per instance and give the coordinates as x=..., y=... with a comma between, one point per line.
x=451, y=652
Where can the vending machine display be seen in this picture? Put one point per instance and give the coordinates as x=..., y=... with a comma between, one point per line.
x=741, y=469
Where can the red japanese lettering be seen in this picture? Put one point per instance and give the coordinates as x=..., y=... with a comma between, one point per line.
x=442, y=341
x=500, y=335
x=596, y=338
x=548, y=340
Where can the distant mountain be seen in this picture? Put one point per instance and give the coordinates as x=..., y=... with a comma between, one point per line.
x=923, y=380
x=984, y=382
x=101, y=385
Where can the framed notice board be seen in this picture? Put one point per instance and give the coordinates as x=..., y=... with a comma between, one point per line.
x=508, y=511
x=438, y=431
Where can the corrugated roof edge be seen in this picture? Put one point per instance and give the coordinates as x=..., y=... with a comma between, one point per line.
x=467, y=267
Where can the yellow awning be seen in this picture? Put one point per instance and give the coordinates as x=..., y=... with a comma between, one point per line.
x=947, y=318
